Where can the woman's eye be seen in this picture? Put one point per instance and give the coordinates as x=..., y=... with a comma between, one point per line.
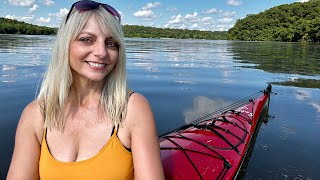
x=112, y=44
x=85, y=40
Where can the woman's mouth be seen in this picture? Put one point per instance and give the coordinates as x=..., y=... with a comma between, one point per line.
x=99, y=65
x=92, y=64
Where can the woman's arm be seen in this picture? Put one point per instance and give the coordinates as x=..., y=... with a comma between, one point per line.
x=25, y=159
x=144, y=140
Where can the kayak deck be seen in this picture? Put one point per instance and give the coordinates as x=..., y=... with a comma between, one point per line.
x=214, y=146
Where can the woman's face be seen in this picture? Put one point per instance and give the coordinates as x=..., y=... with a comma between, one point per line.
x=92, y=53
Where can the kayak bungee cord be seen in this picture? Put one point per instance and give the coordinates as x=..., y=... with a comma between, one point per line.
x=184, y=152
x=225, y=138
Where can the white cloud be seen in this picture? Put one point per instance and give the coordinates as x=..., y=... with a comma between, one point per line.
x=151, y=5
x=229, y=14
x=48, y=2
x=213, y=11
x=44, y=20
x=189, y=21
x=191, y=16
x=225, y=20
x=33, y=8
x=62, y=12
x=234, y=2
x=122, y=15
x=200, y=22
x=172, y=9
x=11, y=17
x=27, y=3
x=206, y=19
x=303, y=1
x=194, y=26
x=20, y=18
x=222, y=27
x=183, y=26
x=148, y=14
x=176, y=19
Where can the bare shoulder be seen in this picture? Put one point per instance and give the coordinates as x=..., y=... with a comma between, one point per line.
x=33, y=108
x=139, y=110
x=25, y=158
x=144, y=139
x=31, y=119
x=137, y=99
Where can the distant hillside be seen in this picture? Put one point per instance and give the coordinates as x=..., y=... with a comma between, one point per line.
x=289, y=23
x=151, y=32
x=9, y=26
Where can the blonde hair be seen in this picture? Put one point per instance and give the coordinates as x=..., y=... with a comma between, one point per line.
x=57, y=81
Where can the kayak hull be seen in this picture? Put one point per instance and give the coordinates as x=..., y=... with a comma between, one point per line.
x=215, y=147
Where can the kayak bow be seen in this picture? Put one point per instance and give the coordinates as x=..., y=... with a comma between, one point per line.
x=214, y=146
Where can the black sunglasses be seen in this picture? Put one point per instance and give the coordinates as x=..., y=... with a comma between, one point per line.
x=87, y=5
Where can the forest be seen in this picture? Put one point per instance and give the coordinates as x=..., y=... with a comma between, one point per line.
x=151, y=32
x=288, y=23
x=8, y=26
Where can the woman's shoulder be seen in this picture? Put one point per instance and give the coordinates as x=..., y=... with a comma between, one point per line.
x=33, y=110
x=33, y=106
x=138, y=103
x=137, y=99
x=139, y=111
x=32, y=119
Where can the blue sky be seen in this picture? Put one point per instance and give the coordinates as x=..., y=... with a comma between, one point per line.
x=211, y=15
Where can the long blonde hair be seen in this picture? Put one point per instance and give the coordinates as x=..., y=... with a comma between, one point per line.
x=57, y=81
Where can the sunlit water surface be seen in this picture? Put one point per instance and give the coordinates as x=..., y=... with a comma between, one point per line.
x=185, y=79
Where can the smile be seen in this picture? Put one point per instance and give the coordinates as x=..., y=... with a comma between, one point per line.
x=92, y=64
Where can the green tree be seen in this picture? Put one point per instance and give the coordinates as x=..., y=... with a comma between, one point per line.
x=288, y=22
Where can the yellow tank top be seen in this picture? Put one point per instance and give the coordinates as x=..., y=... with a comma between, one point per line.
x=113, y=161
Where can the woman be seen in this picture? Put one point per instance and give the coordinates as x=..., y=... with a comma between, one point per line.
x=85, y=123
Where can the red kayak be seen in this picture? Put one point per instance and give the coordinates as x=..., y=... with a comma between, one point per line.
x=214, y=146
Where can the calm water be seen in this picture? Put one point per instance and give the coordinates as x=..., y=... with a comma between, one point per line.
x=185, y=79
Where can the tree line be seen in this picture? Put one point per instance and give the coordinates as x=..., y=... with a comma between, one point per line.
x=152, y=32
x=288, y=23
x=9, y=26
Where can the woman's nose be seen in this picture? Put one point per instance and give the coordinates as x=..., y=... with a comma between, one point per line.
x=100, y=50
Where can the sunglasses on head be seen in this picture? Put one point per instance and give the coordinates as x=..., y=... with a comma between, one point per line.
x=87, y=5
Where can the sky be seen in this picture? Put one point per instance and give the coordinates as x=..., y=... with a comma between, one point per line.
x=205, y=15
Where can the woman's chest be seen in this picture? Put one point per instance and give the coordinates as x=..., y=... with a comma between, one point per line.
x=77, y=143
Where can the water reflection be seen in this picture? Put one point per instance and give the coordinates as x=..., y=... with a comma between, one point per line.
x=316, y=105
x=8, y=74
x=175, y=57
x=288, y=58
x=299, y=82
x=202, y=106
x=298, y=59
x=181, y=79
x=25, y=50
x=286, y=131
x=182, y=60
x=310, y=99
x=22, y=56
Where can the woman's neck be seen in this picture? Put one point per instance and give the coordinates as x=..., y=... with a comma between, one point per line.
x=86, y=93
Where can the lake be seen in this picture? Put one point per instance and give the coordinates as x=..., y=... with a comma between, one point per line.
x=186, y=79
